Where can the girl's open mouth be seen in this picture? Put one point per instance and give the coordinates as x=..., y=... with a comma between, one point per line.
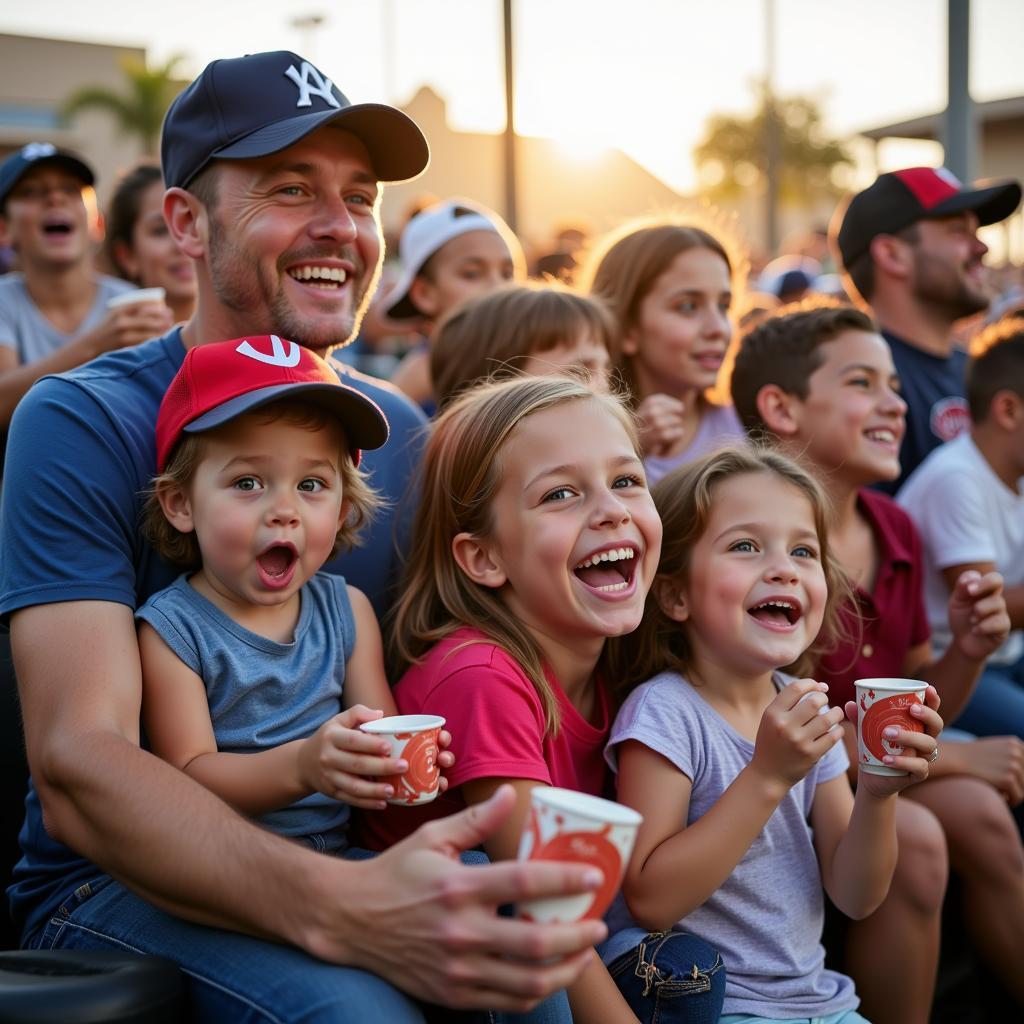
x=777, y=612
x=609, y=571
x=277, y=565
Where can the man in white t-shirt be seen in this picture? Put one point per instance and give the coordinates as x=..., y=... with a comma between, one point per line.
x=53, y=310
x=966, y=499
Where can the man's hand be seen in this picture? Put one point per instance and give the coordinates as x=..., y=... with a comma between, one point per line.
x=128, y=325
x=977, y=614
x=428, y=923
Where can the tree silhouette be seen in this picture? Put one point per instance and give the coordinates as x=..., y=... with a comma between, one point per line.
x=731, y=157
x=140, y=111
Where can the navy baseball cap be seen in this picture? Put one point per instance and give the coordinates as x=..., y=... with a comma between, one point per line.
x=901, y=198
x=14, y=168
x=244, y=107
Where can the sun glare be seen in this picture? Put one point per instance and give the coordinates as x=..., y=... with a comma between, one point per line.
x=582, y=147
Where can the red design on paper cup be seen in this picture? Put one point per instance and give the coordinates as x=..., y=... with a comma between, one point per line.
x=894, y=710
x=581, y=848
x=423, y=775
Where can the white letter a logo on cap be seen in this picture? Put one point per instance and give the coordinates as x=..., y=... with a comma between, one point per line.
x=319, y=86
x=278, y=357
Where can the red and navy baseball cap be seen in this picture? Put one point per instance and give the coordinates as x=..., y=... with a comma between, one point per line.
x=244, y=107
x=901, y=198
x=18, y=164
x=226, y=379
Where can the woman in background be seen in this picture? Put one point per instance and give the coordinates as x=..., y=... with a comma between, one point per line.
x=138, y=246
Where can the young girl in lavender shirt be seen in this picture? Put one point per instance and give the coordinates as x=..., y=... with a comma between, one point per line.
x=738, y=767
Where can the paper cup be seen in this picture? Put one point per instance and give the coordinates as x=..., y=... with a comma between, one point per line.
x=568, y=826
x=881, y=703
x=135, y=296
x=413, y=737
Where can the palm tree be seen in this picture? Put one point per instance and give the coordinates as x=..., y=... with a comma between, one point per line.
x=141, y=111
x=732, y=156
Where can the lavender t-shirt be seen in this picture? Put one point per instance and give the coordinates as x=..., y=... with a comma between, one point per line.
x=766, y=919
x=719, y=426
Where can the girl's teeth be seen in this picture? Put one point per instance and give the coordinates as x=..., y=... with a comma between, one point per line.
x=612, y=555
x=612, y=587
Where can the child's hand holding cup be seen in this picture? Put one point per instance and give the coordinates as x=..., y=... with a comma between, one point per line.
x=564, y=825
x=414, y=738
x=883, y=704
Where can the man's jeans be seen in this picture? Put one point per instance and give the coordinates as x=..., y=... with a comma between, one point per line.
x=996, y=707
x=236, y=978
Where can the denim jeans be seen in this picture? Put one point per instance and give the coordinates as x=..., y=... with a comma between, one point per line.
x=996, y=707
x=843, y=1017
x=237, y=978
x=667, y=977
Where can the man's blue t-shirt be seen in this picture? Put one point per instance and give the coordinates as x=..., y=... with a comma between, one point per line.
x=81, y=451
x=933, y=388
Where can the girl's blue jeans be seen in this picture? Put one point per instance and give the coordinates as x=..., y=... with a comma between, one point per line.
x=666, y=977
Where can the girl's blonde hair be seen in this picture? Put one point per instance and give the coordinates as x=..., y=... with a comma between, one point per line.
x=493, y=335
x=460, y=476
x=625, y=264
x=684, y=499
x=182, y=549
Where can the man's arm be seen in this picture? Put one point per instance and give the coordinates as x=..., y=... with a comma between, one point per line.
x=184, y=850
x=122, y=326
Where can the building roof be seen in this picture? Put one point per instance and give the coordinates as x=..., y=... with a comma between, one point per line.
x=929, y=126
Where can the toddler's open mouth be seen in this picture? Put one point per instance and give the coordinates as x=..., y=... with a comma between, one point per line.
x=277, y=563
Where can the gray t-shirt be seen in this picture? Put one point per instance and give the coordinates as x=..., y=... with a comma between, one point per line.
x=29, y=333
x=766, y=919
x=263, y=693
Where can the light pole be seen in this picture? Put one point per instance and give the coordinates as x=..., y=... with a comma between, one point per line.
x=510, y=121
x=959, y=136
x=771, y=133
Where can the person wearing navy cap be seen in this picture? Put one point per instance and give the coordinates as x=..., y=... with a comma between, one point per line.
x=909, y=246
x=53, y=309
x=273, y=190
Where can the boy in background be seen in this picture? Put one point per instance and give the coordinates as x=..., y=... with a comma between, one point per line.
x=449, y=252
x=820, y=382
x=966, y=501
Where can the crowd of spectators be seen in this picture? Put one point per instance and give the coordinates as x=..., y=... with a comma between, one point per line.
x=882, y=378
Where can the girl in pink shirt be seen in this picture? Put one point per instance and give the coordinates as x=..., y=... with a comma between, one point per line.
x=536, y=541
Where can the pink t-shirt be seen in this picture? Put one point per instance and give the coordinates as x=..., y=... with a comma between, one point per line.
x=497, y=724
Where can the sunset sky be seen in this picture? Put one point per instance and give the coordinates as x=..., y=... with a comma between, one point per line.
x=642, y=75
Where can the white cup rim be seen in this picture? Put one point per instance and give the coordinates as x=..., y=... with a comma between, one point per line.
x=893, y=684
x=403, y=723
x=584, y=805
x=130, y=298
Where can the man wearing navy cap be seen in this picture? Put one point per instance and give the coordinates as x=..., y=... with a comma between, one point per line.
x=53, y=310
x=273, y=190
x=909, y=245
